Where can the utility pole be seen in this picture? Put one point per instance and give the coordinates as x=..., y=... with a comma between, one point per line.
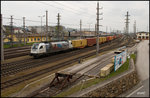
x=134, y=27
x=127, y=22
x=95, y=28
x=147, y=27
x=2, y=46
x=11, y=30
x=24, y=30
x=46, y=25
x=19, y=37
x=89, y=27
x=58, y=27
x=62, y=35
x=41, y=25
x=113, y=30
x=117, y=31
x=41, y=28
x=124, y=30
x=110, y=29
x=80, y=29
x=106, y=29
x=97, y=51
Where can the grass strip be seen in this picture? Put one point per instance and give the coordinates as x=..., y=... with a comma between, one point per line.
x=16, y=45
x=134, y=57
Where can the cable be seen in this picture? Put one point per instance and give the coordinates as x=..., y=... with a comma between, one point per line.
x=43, y=22
x=48, y=4
x=59, y=8
x=28, y=20
x=65, y=6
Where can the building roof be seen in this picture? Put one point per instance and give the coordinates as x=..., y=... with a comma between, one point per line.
x=28, y=34
x=142, y=32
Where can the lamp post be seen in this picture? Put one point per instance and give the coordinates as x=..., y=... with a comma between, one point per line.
x=41, y=25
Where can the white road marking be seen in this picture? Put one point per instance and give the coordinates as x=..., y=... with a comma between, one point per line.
x=135, y=91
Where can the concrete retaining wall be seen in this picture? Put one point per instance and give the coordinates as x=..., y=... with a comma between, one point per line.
x=115, y=87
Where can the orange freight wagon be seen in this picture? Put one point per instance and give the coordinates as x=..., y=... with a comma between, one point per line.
x=114, y=36
x=108, y=38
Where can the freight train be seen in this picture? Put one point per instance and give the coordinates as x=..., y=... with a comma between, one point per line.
x=45, y=48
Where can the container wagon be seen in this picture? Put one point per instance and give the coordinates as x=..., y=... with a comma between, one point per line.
x=100, y=40
x=81, y=43
x=91, y=41
x=104, y=39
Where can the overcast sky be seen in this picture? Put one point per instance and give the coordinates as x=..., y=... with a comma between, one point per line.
x=72, y=11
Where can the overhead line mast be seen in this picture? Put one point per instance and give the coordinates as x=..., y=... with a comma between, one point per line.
x=135, y=26
x=46, y=25
x=80, y=28
x=97, y=44
x=11, y=29
x=127, y=22
x=2, y=46
x=24, y=30
x=58, y=27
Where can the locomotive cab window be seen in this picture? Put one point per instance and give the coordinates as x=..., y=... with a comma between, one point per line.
x=41, y=47
x=35, y=46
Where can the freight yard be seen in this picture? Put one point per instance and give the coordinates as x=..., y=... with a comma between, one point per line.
x=24, y=71
x=56, y=61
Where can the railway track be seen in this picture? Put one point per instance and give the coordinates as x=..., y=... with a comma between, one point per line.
x=52, y=90
x=14, y=67
x=15, y=81
x=49, y=91
x=16, y=48
x=16, y=52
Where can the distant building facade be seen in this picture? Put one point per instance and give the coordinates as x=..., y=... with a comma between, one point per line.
x=30, y=38
x=18, y=30
x=39, y=29
x=7, y=29
x=142, y=35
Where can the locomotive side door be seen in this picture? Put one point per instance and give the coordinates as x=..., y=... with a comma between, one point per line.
x=47, y=48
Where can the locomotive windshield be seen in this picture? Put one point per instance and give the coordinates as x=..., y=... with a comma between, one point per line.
x=35, y=46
